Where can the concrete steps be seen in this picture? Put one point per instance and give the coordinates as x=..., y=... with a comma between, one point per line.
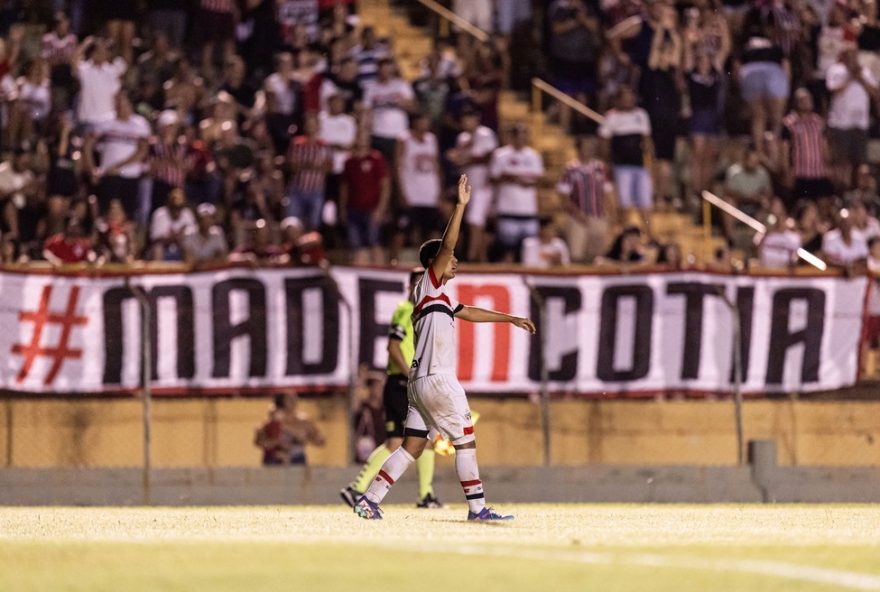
x=412, y=44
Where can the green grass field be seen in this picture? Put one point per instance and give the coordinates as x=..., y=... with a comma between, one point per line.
x=597, y=547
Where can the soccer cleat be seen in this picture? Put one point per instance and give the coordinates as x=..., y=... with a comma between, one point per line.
x=486, y=515
x=367, y=509
x=350, y=495
x=429, y=501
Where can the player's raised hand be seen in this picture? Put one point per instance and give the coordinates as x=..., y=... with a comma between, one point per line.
x=464, y=190
x=524, y=323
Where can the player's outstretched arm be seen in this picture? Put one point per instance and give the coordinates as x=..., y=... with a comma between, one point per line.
x=450, y=235
x=481, y=315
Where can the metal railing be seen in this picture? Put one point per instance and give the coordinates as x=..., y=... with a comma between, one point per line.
x=540, y=87
x=448, y=17
x=758, y=227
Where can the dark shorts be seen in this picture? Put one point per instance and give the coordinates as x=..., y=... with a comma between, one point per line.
x=847, y=145
x=705, y=122
x=573, y=77
x=396, y=405
x=811, y=188
x=664, y=132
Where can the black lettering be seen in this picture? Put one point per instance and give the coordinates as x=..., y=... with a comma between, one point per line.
x=641, y=347
x=114, y=298
x=371, y=329
x=782, y=338
x=254, y=327
x=693, y=293
x=745, y=301
x=568, y=365
x=293, y=293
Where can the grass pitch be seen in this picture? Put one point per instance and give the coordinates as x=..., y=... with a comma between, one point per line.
x=600, y=548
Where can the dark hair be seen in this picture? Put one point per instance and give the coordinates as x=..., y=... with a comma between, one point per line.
x=278, y=399
x=616, y=251
x=416, y=274
x=428, y=251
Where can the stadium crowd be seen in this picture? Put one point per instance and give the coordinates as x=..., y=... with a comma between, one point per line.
x=281, y=131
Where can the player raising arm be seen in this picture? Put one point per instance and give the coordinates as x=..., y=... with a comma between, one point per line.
x=436, y=399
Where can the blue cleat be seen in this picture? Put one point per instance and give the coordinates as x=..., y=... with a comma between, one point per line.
x=487, y=515
x=367, y=509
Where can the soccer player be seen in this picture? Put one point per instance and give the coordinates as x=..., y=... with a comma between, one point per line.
x=401, y=348
x=436, y=399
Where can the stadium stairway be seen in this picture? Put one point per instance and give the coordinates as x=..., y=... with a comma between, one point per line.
x=411, y=44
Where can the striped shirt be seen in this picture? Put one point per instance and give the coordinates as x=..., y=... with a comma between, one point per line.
x=310, y=161
x=806, y=135
x=168, y=161
x=57, y=50
x=585, y=184
x=223, y=6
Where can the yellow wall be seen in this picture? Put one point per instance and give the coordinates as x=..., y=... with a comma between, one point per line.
x=218, y=432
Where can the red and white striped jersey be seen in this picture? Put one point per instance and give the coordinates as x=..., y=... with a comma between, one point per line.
x=806, y=133
x=169, y=161
x=434, y=324
x=585, y=184
x=310, y=162
x=224, y=6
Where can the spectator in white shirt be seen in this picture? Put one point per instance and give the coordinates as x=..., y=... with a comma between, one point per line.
x=546, y=249
x=419, y=179
x=778, y=247
x=338, y=130
x=626, y=139
x=122, y=143
x=168, y=227
x=100, y=80
x=862, y=221
x=515, y=170
x=16, y=183
x=472, y=153
x=844, y=245
x=390, y=99
x=852, y=90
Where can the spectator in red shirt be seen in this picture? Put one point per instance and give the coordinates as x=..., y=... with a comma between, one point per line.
x=70, y=246
x=363, y=200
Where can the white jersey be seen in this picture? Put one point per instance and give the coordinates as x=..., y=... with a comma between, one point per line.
x=479, y=145
x=513, y=199
x=434, y=325
x=385, y=99
x=419, y=177
x=119, y=140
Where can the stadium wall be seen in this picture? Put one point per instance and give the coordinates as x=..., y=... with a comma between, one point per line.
x=215, y=433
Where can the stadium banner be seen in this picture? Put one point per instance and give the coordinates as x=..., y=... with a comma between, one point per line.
x=248, y=331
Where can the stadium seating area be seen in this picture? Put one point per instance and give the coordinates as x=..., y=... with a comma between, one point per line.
x=216, y=131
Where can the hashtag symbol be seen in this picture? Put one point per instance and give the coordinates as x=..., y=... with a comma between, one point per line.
x=40, y=318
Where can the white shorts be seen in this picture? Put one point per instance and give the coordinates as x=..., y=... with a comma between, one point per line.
x=438, y=401
x=478, y=208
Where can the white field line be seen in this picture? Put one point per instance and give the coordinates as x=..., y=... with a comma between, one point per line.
x=789, y=571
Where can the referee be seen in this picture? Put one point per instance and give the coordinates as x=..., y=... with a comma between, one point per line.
x=400, y=354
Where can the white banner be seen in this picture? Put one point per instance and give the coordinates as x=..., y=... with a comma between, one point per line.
x=249, y=331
